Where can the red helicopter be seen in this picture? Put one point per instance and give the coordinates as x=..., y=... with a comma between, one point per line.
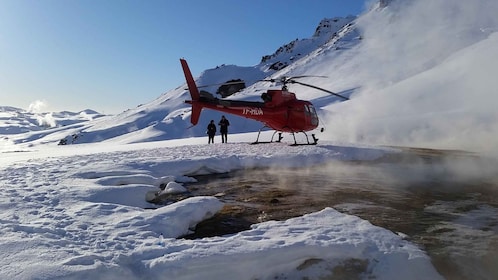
x=280, y=109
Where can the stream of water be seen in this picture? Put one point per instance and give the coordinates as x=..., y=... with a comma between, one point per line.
x=446, y=204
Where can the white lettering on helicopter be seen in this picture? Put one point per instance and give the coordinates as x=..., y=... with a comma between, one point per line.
x=252, y=111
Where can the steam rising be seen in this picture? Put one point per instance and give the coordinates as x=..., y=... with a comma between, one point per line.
x=37, y=106
x=86, y=116
x=427, y=70
x=46, y=120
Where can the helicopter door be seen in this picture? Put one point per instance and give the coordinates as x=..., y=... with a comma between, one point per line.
x=311, y=115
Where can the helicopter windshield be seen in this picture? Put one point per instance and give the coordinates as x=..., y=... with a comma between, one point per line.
x=312, y=112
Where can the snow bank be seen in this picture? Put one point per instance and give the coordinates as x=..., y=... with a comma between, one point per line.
x=315, y=245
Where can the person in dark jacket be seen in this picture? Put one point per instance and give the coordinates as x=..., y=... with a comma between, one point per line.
x=224, y=123
x=211, y=131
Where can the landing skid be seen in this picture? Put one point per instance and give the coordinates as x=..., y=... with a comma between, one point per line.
x=302, y=144
x=271, y=141
x=315, y=140
x=280, y=137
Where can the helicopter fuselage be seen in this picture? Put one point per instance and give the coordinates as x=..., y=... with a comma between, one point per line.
x=280, y=111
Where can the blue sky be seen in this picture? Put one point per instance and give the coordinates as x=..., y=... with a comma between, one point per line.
x=111, y=55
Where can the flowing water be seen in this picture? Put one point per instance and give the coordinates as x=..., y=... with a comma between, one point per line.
x=445, y=202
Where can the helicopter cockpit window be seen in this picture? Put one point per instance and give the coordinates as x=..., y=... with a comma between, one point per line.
x=311, y=110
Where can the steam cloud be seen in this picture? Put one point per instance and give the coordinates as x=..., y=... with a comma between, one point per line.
x=86, y=116
x=37, y=106
x=46, y=120
x=428, y=77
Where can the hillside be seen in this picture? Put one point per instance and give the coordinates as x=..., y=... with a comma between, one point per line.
x=417, y=75
x=167, y=117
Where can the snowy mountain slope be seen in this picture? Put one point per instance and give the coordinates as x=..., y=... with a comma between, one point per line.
x=365, y=58
x=168, y=117
x=327, y=30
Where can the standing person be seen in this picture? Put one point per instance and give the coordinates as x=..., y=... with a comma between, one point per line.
x=224, y=123
x=211, y=131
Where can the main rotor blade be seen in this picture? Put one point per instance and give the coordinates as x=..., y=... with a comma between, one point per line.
x=220, y=84
x=319, y=88
x=305, y=76
x=285, y=79
x=269, y=80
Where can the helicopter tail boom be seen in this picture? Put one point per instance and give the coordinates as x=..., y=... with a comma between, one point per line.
x=194, y=93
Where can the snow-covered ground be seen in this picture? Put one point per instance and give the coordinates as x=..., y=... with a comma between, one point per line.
x=79, y=212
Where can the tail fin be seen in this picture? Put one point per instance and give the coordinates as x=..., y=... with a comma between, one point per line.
x=192, y=87
x=196, y=113
x=194, y=93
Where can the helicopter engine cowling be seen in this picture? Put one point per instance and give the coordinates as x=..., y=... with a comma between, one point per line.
x=274, y=98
